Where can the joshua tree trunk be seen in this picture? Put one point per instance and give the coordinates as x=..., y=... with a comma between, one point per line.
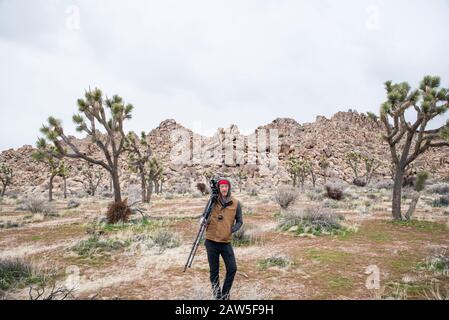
x=397, y=193
x=412, y=207
x=143, y=186
x=313, y=178
x=149, y=191
x=65, y=187
x=50, y=189
x=3, y=190
x=116, y=185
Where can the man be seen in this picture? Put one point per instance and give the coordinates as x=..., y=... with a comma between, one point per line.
x=225, y=219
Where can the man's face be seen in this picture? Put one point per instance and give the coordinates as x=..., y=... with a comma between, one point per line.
x=224, y=189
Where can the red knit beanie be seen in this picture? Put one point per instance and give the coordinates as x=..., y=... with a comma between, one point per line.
x=224, y=181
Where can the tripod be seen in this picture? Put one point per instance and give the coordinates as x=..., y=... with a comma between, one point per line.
x=206, y=216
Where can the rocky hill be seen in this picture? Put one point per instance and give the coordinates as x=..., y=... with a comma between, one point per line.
x=332, y=138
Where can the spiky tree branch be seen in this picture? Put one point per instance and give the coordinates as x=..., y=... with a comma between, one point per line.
x=6, y=176
x=139, y=154
x=48, y=155
x=407, y=141
x=92, y=114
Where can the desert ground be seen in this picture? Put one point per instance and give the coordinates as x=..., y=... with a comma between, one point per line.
x=372, y=258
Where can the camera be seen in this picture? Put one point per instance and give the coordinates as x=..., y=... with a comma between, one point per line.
x=214, y=187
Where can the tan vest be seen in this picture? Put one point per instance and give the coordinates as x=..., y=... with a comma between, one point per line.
x=220, y=230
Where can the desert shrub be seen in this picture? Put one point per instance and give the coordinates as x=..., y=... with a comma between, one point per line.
x=247, y=211
x=17, y=273
x=169, y=196
x=316, y=195
x=274, y=261
x=253, y=192
x=35, y=205
x=118, y=211
x=285, y=196
x=440, y=188
x=334, y=191
x=359, y=182
x=107, y=194
x=331, y=204
x=242, y=237
x=442, y=201
x=144, y=225
x=97, y=245
x=201, y=187
x=9, y=225
x=165, y=239
x=73, y=204
x=182, y=189
x=196, y=195
x=438, y=263
x=383, y=184
x=435, y=292
x=316, y=221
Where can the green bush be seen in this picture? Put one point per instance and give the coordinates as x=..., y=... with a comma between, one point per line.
x=286, y=196
x=274, y=261
x=316, y=221
x=315, y=196
x=96, y=245
x=9, y=225
x=165, y=239
x=242, y=238
x=334, y=191
x=18, y=273
x=438, y=263
x=442, y=201
x=440, y=188
x=35, y=205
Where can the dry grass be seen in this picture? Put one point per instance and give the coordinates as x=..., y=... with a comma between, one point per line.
x=329, y=267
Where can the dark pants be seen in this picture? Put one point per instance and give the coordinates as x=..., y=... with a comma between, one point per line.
x=214, y=250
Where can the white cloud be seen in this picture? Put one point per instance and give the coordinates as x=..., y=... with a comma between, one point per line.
x=211, y=63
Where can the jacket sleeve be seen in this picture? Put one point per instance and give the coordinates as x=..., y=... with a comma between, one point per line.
x=238, y=218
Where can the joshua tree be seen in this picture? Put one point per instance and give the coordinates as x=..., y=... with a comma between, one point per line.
x=354, y=160
x=421, y=178
x=63, y=172
x=6, y=176
x=407, y=141
x=48, y=155
x=159, y=180
x=91, y=116
x=373, y=116
x=154, y=170
x=299, y=168
x=162, y=180
x=324, y=165
x=240, y=176
x=207, y=176
x=293, y=169
x=139, y=154
x=92, y=177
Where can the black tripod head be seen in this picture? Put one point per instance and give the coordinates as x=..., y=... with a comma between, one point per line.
x=214, y=187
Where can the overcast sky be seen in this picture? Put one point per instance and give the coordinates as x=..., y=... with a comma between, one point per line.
x=211, y=63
